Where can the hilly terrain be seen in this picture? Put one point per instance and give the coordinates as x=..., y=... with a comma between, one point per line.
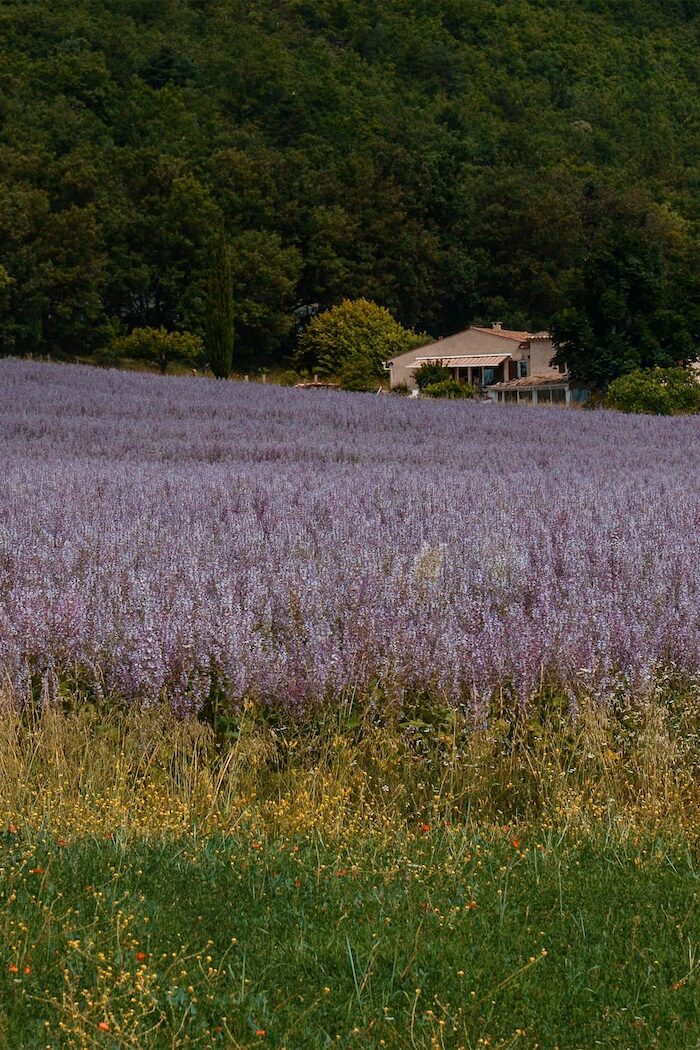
x=453, y=160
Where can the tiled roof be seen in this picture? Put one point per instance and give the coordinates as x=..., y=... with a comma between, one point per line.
x=527, y=382
x=504, y=333
x=456, y=345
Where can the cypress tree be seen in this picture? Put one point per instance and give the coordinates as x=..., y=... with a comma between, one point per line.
x=219, y=328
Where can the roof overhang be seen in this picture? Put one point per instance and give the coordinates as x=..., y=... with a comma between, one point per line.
x=462, y=361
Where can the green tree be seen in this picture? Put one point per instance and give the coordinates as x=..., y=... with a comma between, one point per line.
x=656, y=392
x=265, y=276
x=57, y=261
x=157, y=346
x=448, y=160
x=358, y=374
x=219, y=326
x=633, y=304
x=353, y=329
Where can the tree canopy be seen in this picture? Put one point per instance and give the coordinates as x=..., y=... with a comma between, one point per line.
x=451, y=161
x=655, y=392
x=219, y=311
x=354, y=329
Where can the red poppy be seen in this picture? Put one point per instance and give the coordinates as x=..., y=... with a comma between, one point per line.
x=140, y=956
x=425, y=828
x=103, y=1026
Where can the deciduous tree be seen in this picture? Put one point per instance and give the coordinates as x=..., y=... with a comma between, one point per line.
x=354, y=329
x=219, y=310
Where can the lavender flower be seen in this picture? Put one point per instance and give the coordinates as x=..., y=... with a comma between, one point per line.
x=155, y=533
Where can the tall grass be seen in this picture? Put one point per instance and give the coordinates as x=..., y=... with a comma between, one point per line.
x=95, y=769
x=350, y=880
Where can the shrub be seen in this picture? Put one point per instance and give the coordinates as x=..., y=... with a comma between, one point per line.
x=401, y=390
x=355, y=328
x=656, y=392
x=288, y=377
x=449, y=388
x=358, y=374
x=157, y=346
x=429, y=373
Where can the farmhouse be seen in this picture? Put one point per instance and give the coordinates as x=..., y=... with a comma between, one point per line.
x=507, y=365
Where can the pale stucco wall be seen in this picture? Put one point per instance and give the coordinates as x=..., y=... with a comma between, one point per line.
x=540, y=356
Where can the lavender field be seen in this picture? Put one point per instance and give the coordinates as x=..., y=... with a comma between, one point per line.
x=295, y=545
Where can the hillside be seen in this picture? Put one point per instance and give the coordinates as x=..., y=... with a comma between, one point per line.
x=454, y=160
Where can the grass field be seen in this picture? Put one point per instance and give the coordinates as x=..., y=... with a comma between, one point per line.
x=440, y=937
x=163, y=885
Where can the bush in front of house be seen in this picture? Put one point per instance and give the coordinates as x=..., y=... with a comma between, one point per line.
x=429, y=373
x=655, y=392
x=449, y=388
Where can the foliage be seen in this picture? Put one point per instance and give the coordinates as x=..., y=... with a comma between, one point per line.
x=355, y=569
x=358, y=373
x=633, y=300
x=288, y=377
x=449, y=388
x=358, y=329
x=442, y=160
x=656, y=392
x=157, y=346
x=219, y=307
x=265, y=276
x=431, y=372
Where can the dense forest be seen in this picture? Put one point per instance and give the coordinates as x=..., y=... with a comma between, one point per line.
x=534, y=161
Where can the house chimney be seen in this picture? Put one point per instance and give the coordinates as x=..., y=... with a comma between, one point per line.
x=498, y=325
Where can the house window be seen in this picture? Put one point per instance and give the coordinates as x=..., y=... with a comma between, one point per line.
x=522, y=369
